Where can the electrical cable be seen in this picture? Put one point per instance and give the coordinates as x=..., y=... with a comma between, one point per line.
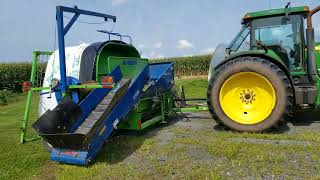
x=85, y=22
x=93, y=23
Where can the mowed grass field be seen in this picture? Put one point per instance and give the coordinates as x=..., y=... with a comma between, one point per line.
x=189, y=147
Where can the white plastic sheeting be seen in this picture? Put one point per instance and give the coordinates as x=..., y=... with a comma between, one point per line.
x=73, y=60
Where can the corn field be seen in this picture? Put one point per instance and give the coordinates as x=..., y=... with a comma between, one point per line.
x=12, y=75
x=188, y=66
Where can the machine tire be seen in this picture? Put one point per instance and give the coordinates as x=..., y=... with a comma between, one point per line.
x=282, y=105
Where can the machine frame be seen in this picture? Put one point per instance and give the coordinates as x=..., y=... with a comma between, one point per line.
x=63, y=30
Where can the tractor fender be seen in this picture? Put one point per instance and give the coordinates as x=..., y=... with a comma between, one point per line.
x=270, y=56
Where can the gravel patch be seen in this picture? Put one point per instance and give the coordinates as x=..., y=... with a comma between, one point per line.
x=268, y=141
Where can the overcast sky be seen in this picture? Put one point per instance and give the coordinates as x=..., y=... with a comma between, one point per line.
x=159, y=28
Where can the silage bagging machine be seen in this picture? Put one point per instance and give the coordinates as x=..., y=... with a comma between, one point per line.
x=91, y=90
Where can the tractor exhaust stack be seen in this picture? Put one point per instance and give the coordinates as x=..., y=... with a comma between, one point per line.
x=312, y=68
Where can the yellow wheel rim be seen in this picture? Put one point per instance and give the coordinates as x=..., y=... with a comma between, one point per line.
x=247, y=98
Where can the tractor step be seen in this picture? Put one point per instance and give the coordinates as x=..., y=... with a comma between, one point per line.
x=305, y=94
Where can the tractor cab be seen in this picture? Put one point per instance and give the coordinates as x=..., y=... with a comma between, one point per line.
x=280, y=31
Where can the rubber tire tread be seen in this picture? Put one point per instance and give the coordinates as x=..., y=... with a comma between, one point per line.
x=279, y=80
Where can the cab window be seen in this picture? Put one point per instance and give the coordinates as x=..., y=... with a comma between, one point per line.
x=283, y=36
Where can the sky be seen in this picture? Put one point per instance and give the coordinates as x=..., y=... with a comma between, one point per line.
x=159, y=28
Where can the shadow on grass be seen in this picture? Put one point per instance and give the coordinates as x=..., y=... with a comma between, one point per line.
x=306, y=118
x=302, y=119
x=275, y=130
x=125, y=142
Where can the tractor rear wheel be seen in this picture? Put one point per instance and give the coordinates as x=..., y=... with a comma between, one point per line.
x=250, y=94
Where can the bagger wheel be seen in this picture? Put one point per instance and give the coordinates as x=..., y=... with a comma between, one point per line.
x=250, y=94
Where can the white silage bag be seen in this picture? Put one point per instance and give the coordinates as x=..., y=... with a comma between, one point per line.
x=73, y=60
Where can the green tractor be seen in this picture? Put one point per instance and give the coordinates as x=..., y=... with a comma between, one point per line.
x=269, y=71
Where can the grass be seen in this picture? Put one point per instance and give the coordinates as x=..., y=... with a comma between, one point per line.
x=176, y=151
x=193, y=87
x=18, y=161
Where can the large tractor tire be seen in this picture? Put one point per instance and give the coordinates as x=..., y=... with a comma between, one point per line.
x=250, y=94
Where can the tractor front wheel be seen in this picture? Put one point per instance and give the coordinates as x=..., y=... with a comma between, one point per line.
x=250, y=94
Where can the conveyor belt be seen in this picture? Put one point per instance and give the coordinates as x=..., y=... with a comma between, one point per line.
x=96, y=117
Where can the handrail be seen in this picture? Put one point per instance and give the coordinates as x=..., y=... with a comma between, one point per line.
x=115, y=34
